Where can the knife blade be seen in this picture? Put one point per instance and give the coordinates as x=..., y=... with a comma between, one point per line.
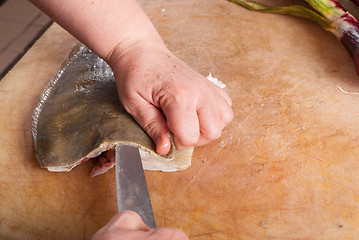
x=131, y=187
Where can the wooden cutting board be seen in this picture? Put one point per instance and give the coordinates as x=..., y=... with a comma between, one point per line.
x=287, y=167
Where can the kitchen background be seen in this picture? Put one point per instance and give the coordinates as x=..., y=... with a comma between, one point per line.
x=21, y=24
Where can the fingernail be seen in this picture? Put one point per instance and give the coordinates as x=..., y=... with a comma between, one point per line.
x=166, y=144
x=161, y=146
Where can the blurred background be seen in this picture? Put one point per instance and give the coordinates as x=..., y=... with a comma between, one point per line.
x=21, y=24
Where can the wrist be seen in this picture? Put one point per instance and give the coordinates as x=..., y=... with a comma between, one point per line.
x=134, y=47
x=126, y=59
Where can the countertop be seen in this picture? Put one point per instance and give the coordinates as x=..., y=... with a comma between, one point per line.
x=285, y=168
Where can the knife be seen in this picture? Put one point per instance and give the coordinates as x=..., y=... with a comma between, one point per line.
x=131, y=187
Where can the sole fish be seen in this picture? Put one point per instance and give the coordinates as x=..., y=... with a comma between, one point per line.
x=79, y=117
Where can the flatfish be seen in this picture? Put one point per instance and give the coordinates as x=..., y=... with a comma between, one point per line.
x=79, y=117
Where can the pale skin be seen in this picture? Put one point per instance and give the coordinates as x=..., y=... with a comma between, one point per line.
x=160, y=91
x=128, y=225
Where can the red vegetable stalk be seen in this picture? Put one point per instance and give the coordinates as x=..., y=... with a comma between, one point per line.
x=332, y=16
x=345, y=26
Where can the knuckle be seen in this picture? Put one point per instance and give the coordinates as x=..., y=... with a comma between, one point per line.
x=212, y=133
x=179, y=235
x=177, y=94
x=129, y=106
x=191, y=139
x=227, y=117
x=127, y=214
x=177, y=98
x=150, y=127
x=187, y=140
x=171, y=233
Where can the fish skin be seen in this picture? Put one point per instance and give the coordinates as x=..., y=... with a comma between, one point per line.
x=79, y=116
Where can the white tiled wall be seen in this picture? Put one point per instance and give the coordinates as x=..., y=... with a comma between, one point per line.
x=20, y=24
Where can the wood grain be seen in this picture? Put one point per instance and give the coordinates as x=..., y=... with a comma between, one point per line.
x=285, y=168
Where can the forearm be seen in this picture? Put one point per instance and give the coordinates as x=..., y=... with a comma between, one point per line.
x=102, y=25
x=160, y=91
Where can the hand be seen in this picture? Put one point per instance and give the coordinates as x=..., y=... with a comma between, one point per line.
x=163, y=94
x=128, y=225
x=160, y=91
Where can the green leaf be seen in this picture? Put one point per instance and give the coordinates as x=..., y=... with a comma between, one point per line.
x=296, y=10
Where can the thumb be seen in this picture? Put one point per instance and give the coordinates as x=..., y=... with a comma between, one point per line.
x=127, y=220
x=154, y=123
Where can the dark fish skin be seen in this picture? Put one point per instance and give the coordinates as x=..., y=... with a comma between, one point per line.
x=80, y=113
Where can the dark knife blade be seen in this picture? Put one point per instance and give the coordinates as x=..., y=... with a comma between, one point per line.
x=131, y=187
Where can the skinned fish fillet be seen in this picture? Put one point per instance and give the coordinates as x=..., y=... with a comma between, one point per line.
x=79, y=117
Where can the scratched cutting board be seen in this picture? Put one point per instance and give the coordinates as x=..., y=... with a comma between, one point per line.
x=286, y=168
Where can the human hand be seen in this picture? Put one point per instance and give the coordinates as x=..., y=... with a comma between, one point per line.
x=162, y=93
x=159, y=90
x=128, y=225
